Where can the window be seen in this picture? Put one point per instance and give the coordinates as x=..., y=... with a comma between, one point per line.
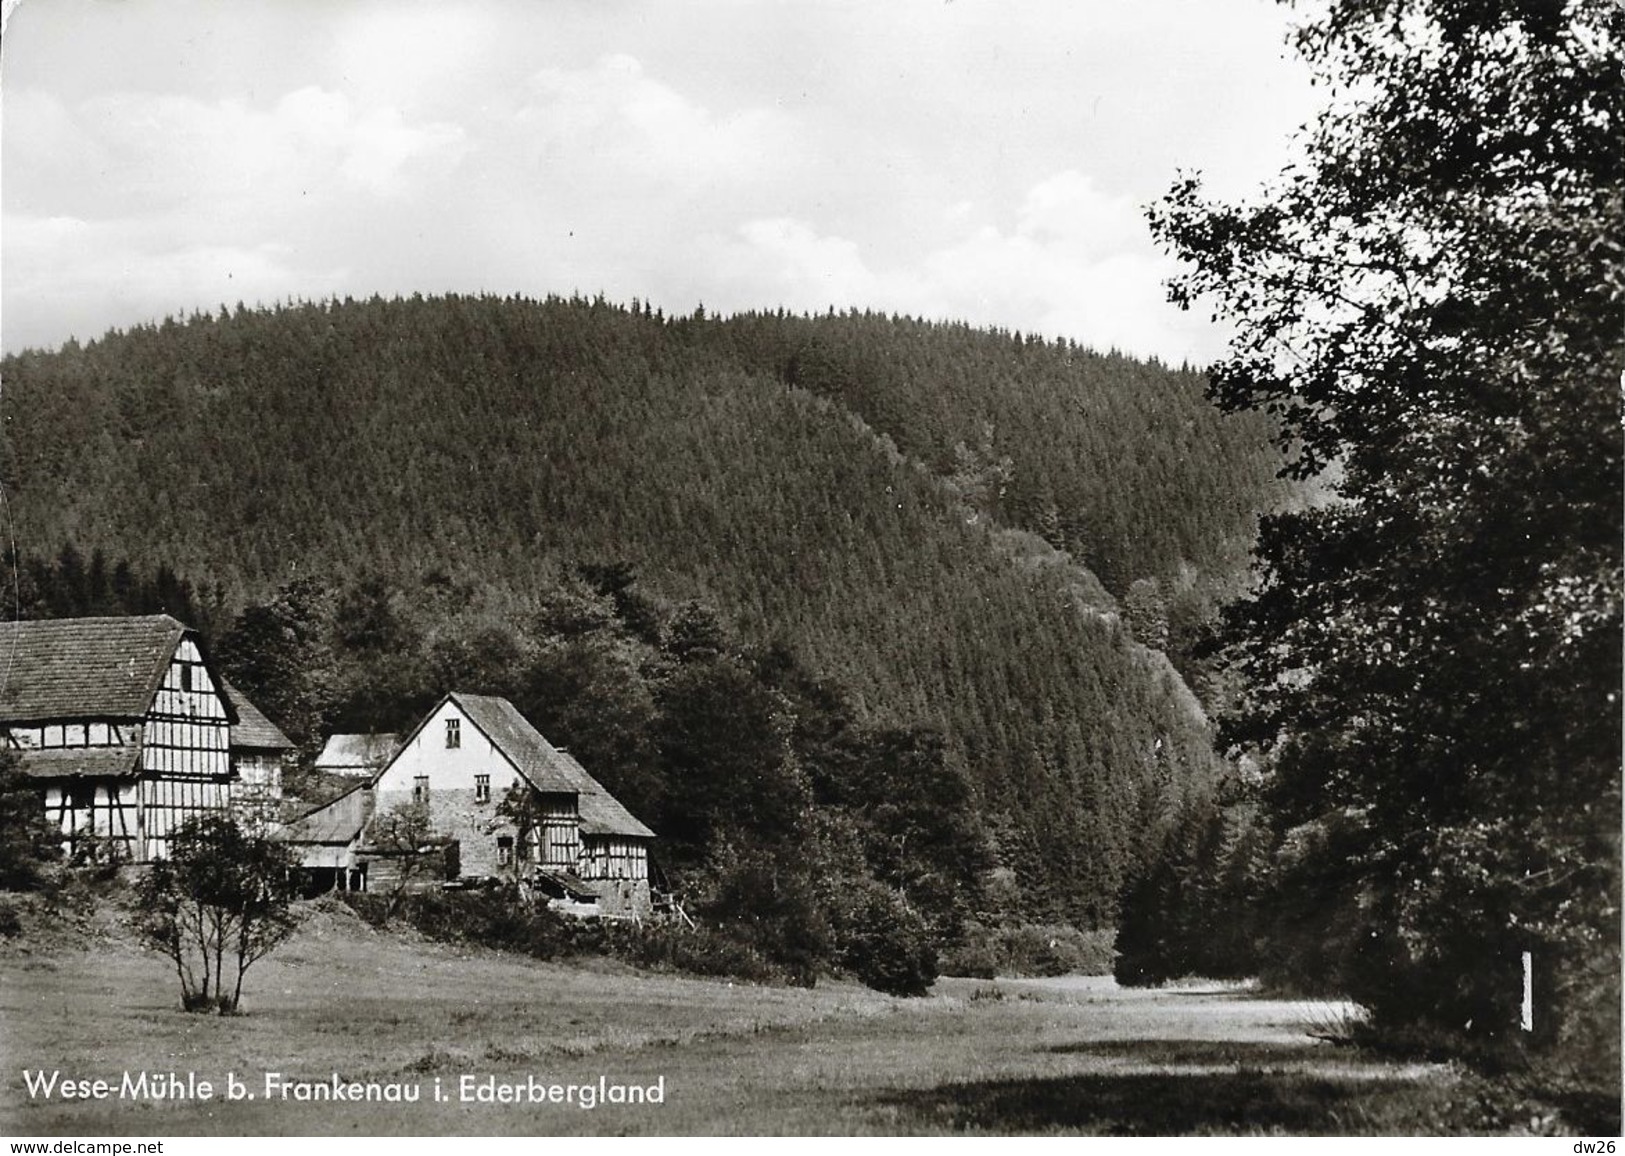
x=420, y=788
x=504, y=850
x=482, y=788
x=454, y=733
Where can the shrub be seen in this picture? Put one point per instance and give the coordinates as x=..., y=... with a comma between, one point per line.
x=494, y=917
x=882, y=940
x=769, y=903
x=220, y=902
x=10, y=922
x=1029, y=949
x=975, y=954
x=696, y=951
x=27, y=841
x=498, y=918
x=372, y=907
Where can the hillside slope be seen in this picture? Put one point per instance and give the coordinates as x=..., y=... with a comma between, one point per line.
x=485, y=440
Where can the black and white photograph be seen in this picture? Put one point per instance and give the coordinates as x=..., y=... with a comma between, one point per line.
x=977, y=568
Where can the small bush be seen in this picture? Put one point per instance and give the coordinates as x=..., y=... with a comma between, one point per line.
x=975, y=955
x=372, y=907
x=11, y=923
x=496, y=917
x=772, y=907
x=696, y=951
x=1029, y=950
x=29, y=844
x=882, y=940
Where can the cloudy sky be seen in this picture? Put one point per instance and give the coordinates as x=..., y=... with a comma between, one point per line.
x=983, y=160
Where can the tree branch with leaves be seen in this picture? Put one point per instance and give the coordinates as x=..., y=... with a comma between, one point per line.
x=221, y=902
x=1428, y=303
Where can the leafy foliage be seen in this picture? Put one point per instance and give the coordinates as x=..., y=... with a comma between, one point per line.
x=1428, y=305
x=882, y=940
x=218, y=904
x=277, y=653
x=27, y=841
x=405, y=836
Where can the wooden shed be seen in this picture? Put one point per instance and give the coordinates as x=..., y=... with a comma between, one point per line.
x=324, y=833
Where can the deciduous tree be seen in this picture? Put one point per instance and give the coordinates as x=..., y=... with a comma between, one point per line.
x=1429, y=304
x=218, y=904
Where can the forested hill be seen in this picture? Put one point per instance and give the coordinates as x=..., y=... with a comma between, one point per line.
x=844, y=485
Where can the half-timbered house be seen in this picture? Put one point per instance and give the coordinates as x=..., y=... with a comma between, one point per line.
x=122, y=722
x=465, y=758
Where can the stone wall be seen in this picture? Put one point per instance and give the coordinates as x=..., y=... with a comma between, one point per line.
x=457, y=814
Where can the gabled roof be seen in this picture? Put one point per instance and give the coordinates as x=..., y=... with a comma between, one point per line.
x=546, y=767
x=84, y=667
x=369, y=751
x=75, y=668
x=253, y=731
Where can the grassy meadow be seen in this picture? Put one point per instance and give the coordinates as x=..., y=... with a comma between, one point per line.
x=1070, y=1055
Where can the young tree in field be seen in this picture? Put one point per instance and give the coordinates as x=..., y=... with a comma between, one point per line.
x=218, y=904
x=1430, y=303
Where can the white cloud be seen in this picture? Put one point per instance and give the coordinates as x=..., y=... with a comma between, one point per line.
x=1076, y=263
x=810, y=270
x=615, y=119
x=191, y=203
x=965, y=161
x=1067, y=210
x=80, y=269
x=380, y=147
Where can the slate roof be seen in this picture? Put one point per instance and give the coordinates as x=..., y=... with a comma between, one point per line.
x=548, y=768
x=252, y=730
x=82, y=762
x=305, y=790
x=370, y=752
x=83, y=667
x=340, y=820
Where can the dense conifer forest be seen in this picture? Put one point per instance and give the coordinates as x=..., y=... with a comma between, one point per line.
x=957, y=533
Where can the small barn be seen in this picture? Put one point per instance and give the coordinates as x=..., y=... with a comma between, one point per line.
x=322, y=828
x=124, y=725
x=358, y=756
x=259, y=753
x=579, y=843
